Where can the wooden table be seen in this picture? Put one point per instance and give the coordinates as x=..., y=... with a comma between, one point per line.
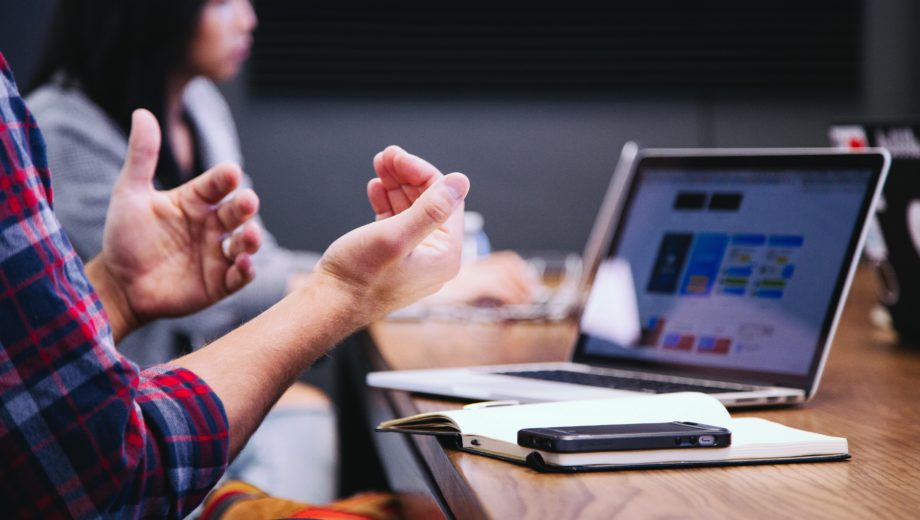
x=870, y=394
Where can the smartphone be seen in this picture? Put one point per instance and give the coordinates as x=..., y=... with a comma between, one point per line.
x=615, y=437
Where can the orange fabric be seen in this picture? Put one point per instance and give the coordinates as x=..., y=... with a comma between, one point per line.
x=237, y=500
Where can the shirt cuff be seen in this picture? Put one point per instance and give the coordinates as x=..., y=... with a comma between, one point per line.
x=189, y=426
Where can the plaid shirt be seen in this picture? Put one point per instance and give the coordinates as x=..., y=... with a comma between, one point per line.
x=83, y=432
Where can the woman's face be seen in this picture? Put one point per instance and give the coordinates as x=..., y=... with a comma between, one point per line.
x=223, y=38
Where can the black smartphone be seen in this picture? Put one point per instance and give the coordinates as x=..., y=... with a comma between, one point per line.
x=615, y=437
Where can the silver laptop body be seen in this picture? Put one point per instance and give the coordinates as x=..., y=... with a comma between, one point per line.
x=722, y=271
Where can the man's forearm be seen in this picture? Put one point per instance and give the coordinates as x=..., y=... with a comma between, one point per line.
x=252, y=366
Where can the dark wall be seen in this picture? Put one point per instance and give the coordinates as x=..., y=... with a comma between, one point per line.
x=539, y=165
x=22, y=26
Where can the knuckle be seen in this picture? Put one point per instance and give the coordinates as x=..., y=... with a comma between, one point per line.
x=436, y=210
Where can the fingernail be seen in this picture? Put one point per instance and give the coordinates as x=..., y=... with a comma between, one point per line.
x=456, y=186
x=452, y=190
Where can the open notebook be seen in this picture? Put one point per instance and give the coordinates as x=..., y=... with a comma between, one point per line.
x=492, y=431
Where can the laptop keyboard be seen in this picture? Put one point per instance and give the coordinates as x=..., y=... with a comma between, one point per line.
x=625, y=383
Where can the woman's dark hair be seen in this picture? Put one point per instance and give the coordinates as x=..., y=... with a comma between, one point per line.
x=121, y=53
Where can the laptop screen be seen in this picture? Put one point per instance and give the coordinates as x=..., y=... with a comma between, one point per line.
x=730, y=265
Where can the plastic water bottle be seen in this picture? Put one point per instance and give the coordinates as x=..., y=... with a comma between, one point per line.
x=475, y=241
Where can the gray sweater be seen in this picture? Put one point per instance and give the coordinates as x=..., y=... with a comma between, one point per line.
x=85, y=152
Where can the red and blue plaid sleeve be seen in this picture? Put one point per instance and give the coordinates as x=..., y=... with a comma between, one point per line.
x=83, y=433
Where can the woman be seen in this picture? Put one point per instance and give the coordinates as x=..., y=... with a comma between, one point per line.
x=105, y=58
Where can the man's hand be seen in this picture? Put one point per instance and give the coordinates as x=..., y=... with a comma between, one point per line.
x=503, y=278
x=401, y=179
x=412, y=249
x=174, y=252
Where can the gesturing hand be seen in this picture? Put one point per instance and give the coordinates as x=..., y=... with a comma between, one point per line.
x=162, y=251
x=503, y=277
x=412, y=248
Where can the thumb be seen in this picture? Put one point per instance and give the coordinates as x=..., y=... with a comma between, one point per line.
x=435, y=207
x=143, y=149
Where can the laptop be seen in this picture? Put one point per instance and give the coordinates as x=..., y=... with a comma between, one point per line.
x=893, y=240
x=725, y=272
